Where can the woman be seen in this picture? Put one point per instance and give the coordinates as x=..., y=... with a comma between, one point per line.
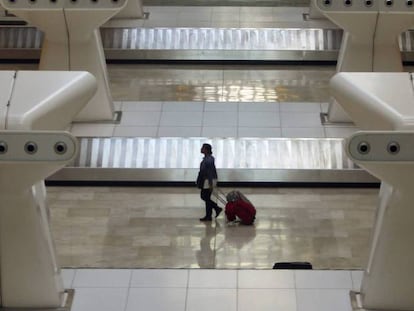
x=206, y=181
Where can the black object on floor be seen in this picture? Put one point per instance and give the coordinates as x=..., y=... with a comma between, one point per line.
x=293, y=265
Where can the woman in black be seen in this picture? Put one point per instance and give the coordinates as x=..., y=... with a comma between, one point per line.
x=206, y=181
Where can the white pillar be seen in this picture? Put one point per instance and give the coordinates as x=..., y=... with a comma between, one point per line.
x=132, y=10
x=370, y=43
x=379, y=102
x=72, y=42
x=30, y=276
x=29, y=273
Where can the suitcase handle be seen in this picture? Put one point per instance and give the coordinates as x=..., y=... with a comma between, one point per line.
x=220, y=195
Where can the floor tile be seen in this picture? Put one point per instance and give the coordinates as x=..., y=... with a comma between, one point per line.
x=303, y=132
x=216, y=18
x=323, y=279
x=223, y=106
x=194, y=16
x=259, y=119
x=100, y=299
x=202, y=299
x=323, y=300
x=300, y=107
x=259, y=132
x=220, y=118
x=249, y=16
x=212, y=279
x=208, y=131
x=156, y=299
x=179, y=131
x=159, y=278
x=135, y=131
x=139, y=118
x=302, y=119
x=266, y=279
x=128, y=106
x=269, y=106
x=184, y=118
x=266, y=299
x=102, y=278
x=183, y=106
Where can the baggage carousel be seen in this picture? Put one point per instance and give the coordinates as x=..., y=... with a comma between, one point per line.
x=175, y=161
x=200, y=44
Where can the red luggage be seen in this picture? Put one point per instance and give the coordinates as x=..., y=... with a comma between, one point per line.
x=239, y=207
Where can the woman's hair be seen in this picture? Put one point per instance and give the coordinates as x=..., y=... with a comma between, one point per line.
x=208, y=148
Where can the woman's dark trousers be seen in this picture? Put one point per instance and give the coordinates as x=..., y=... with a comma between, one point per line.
x=210, y=205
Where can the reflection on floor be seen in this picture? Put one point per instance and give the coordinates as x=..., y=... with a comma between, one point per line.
x=159, y=228
x=220, y=83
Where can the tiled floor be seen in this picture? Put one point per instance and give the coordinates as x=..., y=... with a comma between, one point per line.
x=217, y=119
x=136, y=227
x=220, y=83
x=220, y=290
x=225, y=17
x=228, y=101
x=282, y=3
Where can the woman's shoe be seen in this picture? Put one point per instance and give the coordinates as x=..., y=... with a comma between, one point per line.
x=218, y=211
x=206, y=219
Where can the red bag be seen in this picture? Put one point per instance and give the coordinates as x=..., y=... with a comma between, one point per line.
x=241, y=209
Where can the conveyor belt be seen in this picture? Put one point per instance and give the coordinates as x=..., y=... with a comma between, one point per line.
x=237, y=159
x=200, y=43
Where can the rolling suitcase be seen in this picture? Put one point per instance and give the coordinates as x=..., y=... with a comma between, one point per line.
x=237, y=207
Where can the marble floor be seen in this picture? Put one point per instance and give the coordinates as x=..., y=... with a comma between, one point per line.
x=220, y=83
x=116, y=227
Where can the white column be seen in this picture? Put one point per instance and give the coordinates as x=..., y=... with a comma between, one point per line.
x=132, y=10
x=30, y=275
x=379, y=102
x=72, y=42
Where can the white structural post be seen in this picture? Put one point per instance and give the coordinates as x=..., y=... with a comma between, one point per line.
x=30, y=276
x=370, y=40
x=378, y=102
x=395, y=17
x=72, y=42
x=132, y=10
x=314, y=12
x=32, y=100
